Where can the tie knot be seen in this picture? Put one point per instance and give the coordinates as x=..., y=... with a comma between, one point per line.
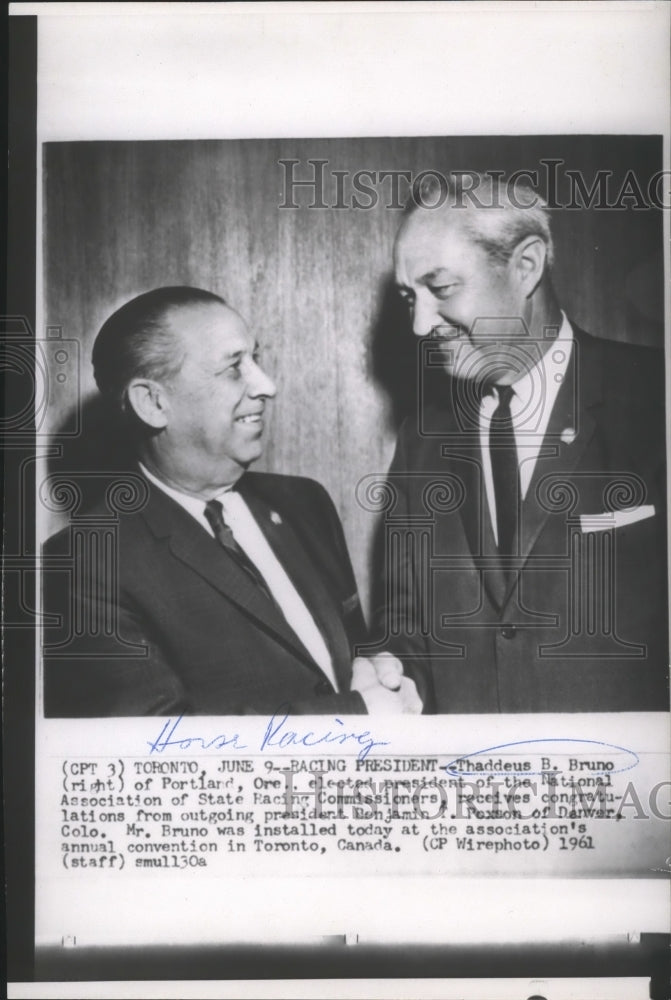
x=214, y=512
x=505, y=394
x=215, y=506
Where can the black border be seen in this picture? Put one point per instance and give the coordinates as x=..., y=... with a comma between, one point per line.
x=648, y=957
x=336, y=960
x=18, y=643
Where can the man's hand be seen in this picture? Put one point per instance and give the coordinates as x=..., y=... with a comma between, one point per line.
x=380, y=682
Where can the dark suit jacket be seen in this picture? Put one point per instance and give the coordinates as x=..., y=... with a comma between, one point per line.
x=157, y=618
x=582, y=624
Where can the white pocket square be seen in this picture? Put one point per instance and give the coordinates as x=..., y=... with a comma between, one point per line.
x=615, y=518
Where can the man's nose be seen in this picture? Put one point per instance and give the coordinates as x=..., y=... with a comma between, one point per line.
x=260, y=384
x=424, y=317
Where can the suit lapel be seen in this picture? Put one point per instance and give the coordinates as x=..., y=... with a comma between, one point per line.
x=477, y=520
x=194, y=547
x=465, y=459
x=291, y=552
x=571, y=417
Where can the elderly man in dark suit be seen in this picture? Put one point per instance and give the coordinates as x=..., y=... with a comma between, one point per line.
x=525, y=565
x=216, y=590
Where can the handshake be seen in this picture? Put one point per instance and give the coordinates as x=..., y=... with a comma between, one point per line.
x=380, y=682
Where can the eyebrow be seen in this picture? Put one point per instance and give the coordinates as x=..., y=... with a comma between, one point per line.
x=436, y=273
x=236, y=355
x=429, y=277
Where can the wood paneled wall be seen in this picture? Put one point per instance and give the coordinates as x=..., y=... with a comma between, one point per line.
x=124, y=217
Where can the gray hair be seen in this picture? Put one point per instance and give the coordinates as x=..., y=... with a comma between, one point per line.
x=496, y=213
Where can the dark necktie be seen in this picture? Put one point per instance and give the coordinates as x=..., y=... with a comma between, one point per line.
x=214, y=512
x=505, y=470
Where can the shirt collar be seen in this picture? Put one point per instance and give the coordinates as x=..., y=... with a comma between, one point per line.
x=538, y=387
x=194, y=505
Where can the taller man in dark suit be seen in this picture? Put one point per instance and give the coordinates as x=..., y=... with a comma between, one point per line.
x=200, y=587
x=525, y=558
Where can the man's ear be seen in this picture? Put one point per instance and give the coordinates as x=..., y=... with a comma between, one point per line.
x=149, y=402
x=528, y=263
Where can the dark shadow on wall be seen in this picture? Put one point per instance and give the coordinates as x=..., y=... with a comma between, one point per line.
x=84, y=465
x=394, y=358
x=393, y=353
x=395, y=365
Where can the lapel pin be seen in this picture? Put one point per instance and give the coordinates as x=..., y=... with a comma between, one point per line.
x=568, y=435
x=275, y=517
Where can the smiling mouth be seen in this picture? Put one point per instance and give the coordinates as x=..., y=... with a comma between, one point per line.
x=448, y=333
x=250, y=418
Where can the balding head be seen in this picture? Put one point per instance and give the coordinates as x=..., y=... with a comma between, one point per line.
x=140, y=339
x=185, y=368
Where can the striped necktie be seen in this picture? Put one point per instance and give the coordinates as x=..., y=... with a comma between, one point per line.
x=214, y=512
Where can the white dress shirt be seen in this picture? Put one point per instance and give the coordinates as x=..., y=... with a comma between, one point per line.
x=252, y=540
x=534, y=395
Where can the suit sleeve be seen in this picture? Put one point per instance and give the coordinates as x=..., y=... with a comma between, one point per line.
x=104, y=656
x=396, y=593
x=346, y=702
x=332, y=559
x=99, y=659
